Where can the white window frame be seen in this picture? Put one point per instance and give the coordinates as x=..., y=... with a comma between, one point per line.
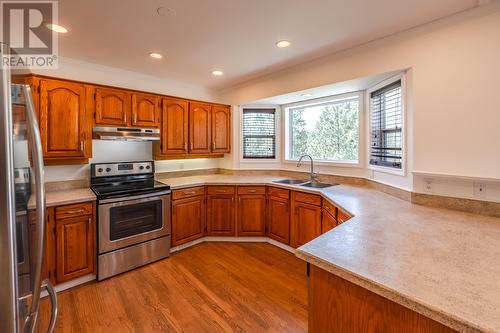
x=277, y=121
x=402, y=171
x=286, y=138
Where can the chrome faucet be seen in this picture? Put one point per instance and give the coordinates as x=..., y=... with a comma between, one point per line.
x=312, y=175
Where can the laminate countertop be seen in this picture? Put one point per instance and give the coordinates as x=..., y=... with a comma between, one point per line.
x=64, y=197
x=441, y=263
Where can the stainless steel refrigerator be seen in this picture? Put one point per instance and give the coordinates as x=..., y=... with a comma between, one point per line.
x=21, y=255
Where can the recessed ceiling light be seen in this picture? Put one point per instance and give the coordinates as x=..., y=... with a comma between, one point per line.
x=283, y=43
x=155, y=55
x=56, y=28
x=217, y=73
x=306, y=95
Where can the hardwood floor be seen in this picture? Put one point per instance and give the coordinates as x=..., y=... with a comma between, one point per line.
x=212, y=287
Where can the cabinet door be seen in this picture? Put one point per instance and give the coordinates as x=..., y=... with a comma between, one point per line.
x=220, y=215
x=188, y=219
x=278, y=219
x=251, y=219
x=112, y=106
x=64, y=127
x=75, y=247
x=328, y=222
x=199, y=128
x=145, y=110
x=306, y=223
x=221, y=129
x=174, y=126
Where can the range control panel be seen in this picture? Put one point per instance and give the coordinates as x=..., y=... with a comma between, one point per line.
x=122, y=169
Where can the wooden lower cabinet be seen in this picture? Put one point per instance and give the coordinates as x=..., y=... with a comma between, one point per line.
x=70, y=249
x=337, y=305
x=289, y=217
x=75, y=243
x=251, y=220
x=328, y=221
x=188, y=219
x=278, y=219
x=305, y=221
x=221, y=214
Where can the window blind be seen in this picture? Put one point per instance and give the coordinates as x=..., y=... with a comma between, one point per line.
x=386, y=126
x=259, y=133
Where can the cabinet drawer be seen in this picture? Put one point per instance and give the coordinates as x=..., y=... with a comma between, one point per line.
x=63, y=212
x=251, y=190
x=312, y=199
x=330, y=208
x=188, y=192
x=342, y=217
x=278, y=192
x=220, y=189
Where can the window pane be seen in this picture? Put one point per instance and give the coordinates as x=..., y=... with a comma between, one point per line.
x=259, y=133
x=328, y=131
x=386, y=147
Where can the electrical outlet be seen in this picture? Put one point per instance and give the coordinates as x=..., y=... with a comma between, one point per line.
x=479, y=190
x=428, y=185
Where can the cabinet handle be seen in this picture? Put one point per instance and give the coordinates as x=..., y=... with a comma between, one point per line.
x=187, y=193
x=125, y=117
x=135, y=118
x=90, y=220
x=81, y=145
x=252, y=191
x=191, y=144
x=76, y=211
x=213, y=146
x=220, y=191
x=185, y=146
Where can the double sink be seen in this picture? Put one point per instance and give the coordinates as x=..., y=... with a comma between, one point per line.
x=303, y=182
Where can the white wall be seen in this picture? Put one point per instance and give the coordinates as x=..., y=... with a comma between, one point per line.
x=455, y=71
x=118, y=151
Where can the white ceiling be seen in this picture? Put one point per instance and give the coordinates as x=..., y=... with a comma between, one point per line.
x=333, y=89
x=236, y=36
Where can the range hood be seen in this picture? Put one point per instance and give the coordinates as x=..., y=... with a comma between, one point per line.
x=126, y=133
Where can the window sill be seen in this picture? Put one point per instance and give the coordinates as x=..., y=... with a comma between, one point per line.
x=259, y=161
x=401, y=173
x=343, y=164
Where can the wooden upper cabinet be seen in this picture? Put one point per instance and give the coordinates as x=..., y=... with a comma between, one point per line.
x=221, y=129
x=112, y=106
x=145, y=110
x=199, y=128
x=64, y=124
x=174, y=126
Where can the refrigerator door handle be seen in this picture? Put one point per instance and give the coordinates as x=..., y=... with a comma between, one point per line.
x=36, y=144
x=53, y=302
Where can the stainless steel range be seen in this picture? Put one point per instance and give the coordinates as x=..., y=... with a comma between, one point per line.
x=133, y=216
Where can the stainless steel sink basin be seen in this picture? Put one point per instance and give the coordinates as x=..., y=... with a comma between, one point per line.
x=317, y=184
x=291, y=181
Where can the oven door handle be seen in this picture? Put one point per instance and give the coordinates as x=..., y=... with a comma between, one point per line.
x=137, y=198
x=113, y=202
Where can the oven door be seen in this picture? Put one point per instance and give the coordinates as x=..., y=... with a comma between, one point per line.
x=128, y=221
